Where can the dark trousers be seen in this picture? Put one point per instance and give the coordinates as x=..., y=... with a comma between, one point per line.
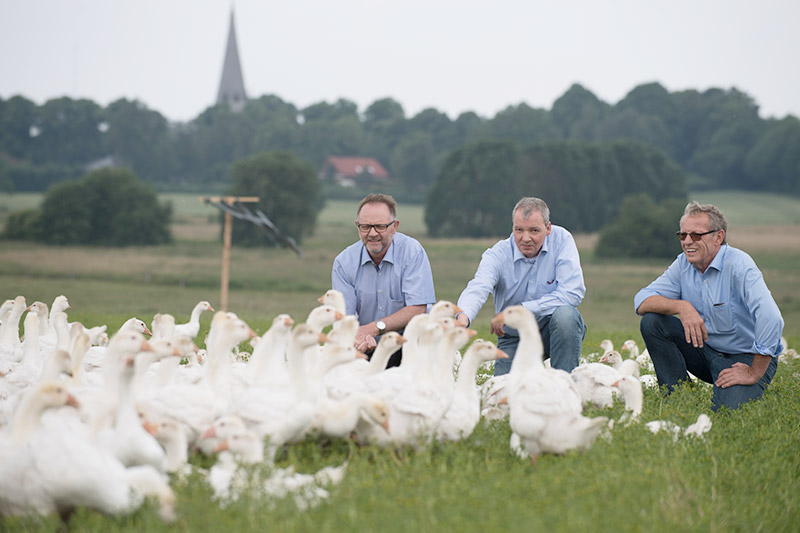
x=672, y=356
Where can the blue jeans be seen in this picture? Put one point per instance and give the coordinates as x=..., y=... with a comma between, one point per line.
x=672, y=356
x=562, y=336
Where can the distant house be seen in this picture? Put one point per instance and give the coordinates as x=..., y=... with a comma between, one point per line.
x=347, y=171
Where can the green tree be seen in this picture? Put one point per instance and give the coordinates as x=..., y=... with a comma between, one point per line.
x=108, y=207
x=577, y=113
x=17, y=118
x=289, y=192
x=522, y=124
x=413, y=162
x=475, y=191
x=141, y=139
x=774, y=160
x=642, y=229
x=69, y=132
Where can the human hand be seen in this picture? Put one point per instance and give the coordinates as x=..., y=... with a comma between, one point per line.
x=365, y=344
x=462, y=319
x=693, y=326
x=497, y=325
x=737, y=374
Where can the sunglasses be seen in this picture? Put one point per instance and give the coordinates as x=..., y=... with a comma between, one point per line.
x=695, y=236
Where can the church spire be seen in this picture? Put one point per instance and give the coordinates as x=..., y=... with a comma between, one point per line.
x=231, y=85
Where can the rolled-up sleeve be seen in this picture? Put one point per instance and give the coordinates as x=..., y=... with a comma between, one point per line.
x=667, y=284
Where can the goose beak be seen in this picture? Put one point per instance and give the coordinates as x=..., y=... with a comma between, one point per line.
x=288, y=322
x=360, y=355
x=500, y=354
x=221, y=447
x=320, y=298
x=457, y=309
x=385, y=426
x=251, y=333
x=471, y=333
x=210, y=307
x=210, y=432
x=150, y=427
x=71, y=400
x=147, y=331
x=323, y=338
x=339, y=315
x=401, y=339
x=504, y=401
x=146, y=347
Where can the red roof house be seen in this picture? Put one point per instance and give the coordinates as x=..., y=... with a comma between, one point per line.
x=346, y=171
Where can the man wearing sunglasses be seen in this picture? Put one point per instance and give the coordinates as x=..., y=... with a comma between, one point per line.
x=385, y=277
x=710, y=313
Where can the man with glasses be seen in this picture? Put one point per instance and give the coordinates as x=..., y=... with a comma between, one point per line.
x=386, y=277
x=537, y=266
x=710, y=313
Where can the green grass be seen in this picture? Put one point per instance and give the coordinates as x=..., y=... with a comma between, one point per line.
x=744, y=476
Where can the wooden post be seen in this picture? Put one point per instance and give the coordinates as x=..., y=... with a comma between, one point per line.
x=227, y=231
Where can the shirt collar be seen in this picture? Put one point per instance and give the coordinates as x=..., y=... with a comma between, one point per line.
x=388, y=258
x=517, y=255
x=719, y=259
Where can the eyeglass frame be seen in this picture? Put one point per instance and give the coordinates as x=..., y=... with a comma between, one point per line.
x=370, y=227
x=681, y=235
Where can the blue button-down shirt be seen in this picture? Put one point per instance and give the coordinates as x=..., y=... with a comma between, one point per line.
x=551, y=279
x=740, y=315
x=372, y=292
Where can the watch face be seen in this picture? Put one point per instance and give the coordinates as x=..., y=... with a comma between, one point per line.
x=381, y=325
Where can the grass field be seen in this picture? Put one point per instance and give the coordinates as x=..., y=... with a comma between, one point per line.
x=744, y=476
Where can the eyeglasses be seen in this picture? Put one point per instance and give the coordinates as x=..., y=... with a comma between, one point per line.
x=380, y=228
x=695, y=236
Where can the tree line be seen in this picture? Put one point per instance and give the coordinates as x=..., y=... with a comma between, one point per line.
x=716, y=136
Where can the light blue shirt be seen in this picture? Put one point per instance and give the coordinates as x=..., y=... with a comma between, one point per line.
x=372, y=292
x=551, y=279
x=740, y=314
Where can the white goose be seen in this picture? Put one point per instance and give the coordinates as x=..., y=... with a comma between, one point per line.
x=338, y=418
x=10, y=345
x=268, y=360
x=192, y=328
x=130, y=443
x=545, y=410
x=281, y=413
x=55, y=467
x=465, y=411
x=198, y=405
x=23, y=374
x=596, y=382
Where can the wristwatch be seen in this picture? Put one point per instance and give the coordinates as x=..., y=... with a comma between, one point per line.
x=381, y=325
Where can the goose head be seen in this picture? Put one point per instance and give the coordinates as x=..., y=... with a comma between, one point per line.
x=323, y=316
x=444, y=308
x=135, y=324
x=60, y=304
x=333, y=298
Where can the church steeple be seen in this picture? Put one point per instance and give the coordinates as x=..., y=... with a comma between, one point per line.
x=231, y=85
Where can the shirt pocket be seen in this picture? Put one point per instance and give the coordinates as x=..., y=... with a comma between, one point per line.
x=721, y=318
x=545, y=285
x=395, y=305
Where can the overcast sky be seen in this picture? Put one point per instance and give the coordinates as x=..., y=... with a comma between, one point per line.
x=453, y=55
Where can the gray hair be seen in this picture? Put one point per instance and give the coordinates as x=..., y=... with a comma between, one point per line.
x=378, y=198
x=716, y=219
x=530, y=204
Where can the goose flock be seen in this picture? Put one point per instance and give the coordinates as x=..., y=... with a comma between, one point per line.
x=89, y=419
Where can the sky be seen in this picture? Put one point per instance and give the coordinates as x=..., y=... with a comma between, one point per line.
x=451, y=55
